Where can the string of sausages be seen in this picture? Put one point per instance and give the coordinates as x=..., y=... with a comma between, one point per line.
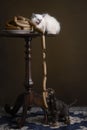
x=18, y=23
x=44, y=70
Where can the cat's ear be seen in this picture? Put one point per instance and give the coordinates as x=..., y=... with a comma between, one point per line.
x=33, y=14
x=44, y=15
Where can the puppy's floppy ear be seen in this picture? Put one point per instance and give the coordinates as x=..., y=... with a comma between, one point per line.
x=52, y=92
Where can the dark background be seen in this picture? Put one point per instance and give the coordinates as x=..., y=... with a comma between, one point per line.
x=66, y=53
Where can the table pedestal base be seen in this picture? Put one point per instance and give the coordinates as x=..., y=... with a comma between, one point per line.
x=26, y=101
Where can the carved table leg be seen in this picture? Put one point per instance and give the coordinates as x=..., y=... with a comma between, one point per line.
x=28, y=80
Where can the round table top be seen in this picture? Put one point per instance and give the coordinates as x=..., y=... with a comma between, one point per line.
x=19, y=33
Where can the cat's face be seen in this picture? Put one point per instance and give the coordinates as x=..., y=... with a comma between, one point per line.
x=36, y=18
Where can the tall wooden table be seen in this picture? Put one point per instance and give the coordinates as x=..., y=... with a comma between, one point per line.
x=27, y=36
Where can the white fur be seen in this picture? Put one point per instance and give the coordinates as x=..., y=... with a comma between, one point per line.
x=46, y=23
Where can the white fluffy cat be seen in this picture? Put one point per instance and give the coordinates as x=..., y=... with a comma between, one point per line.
x=46, y=23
